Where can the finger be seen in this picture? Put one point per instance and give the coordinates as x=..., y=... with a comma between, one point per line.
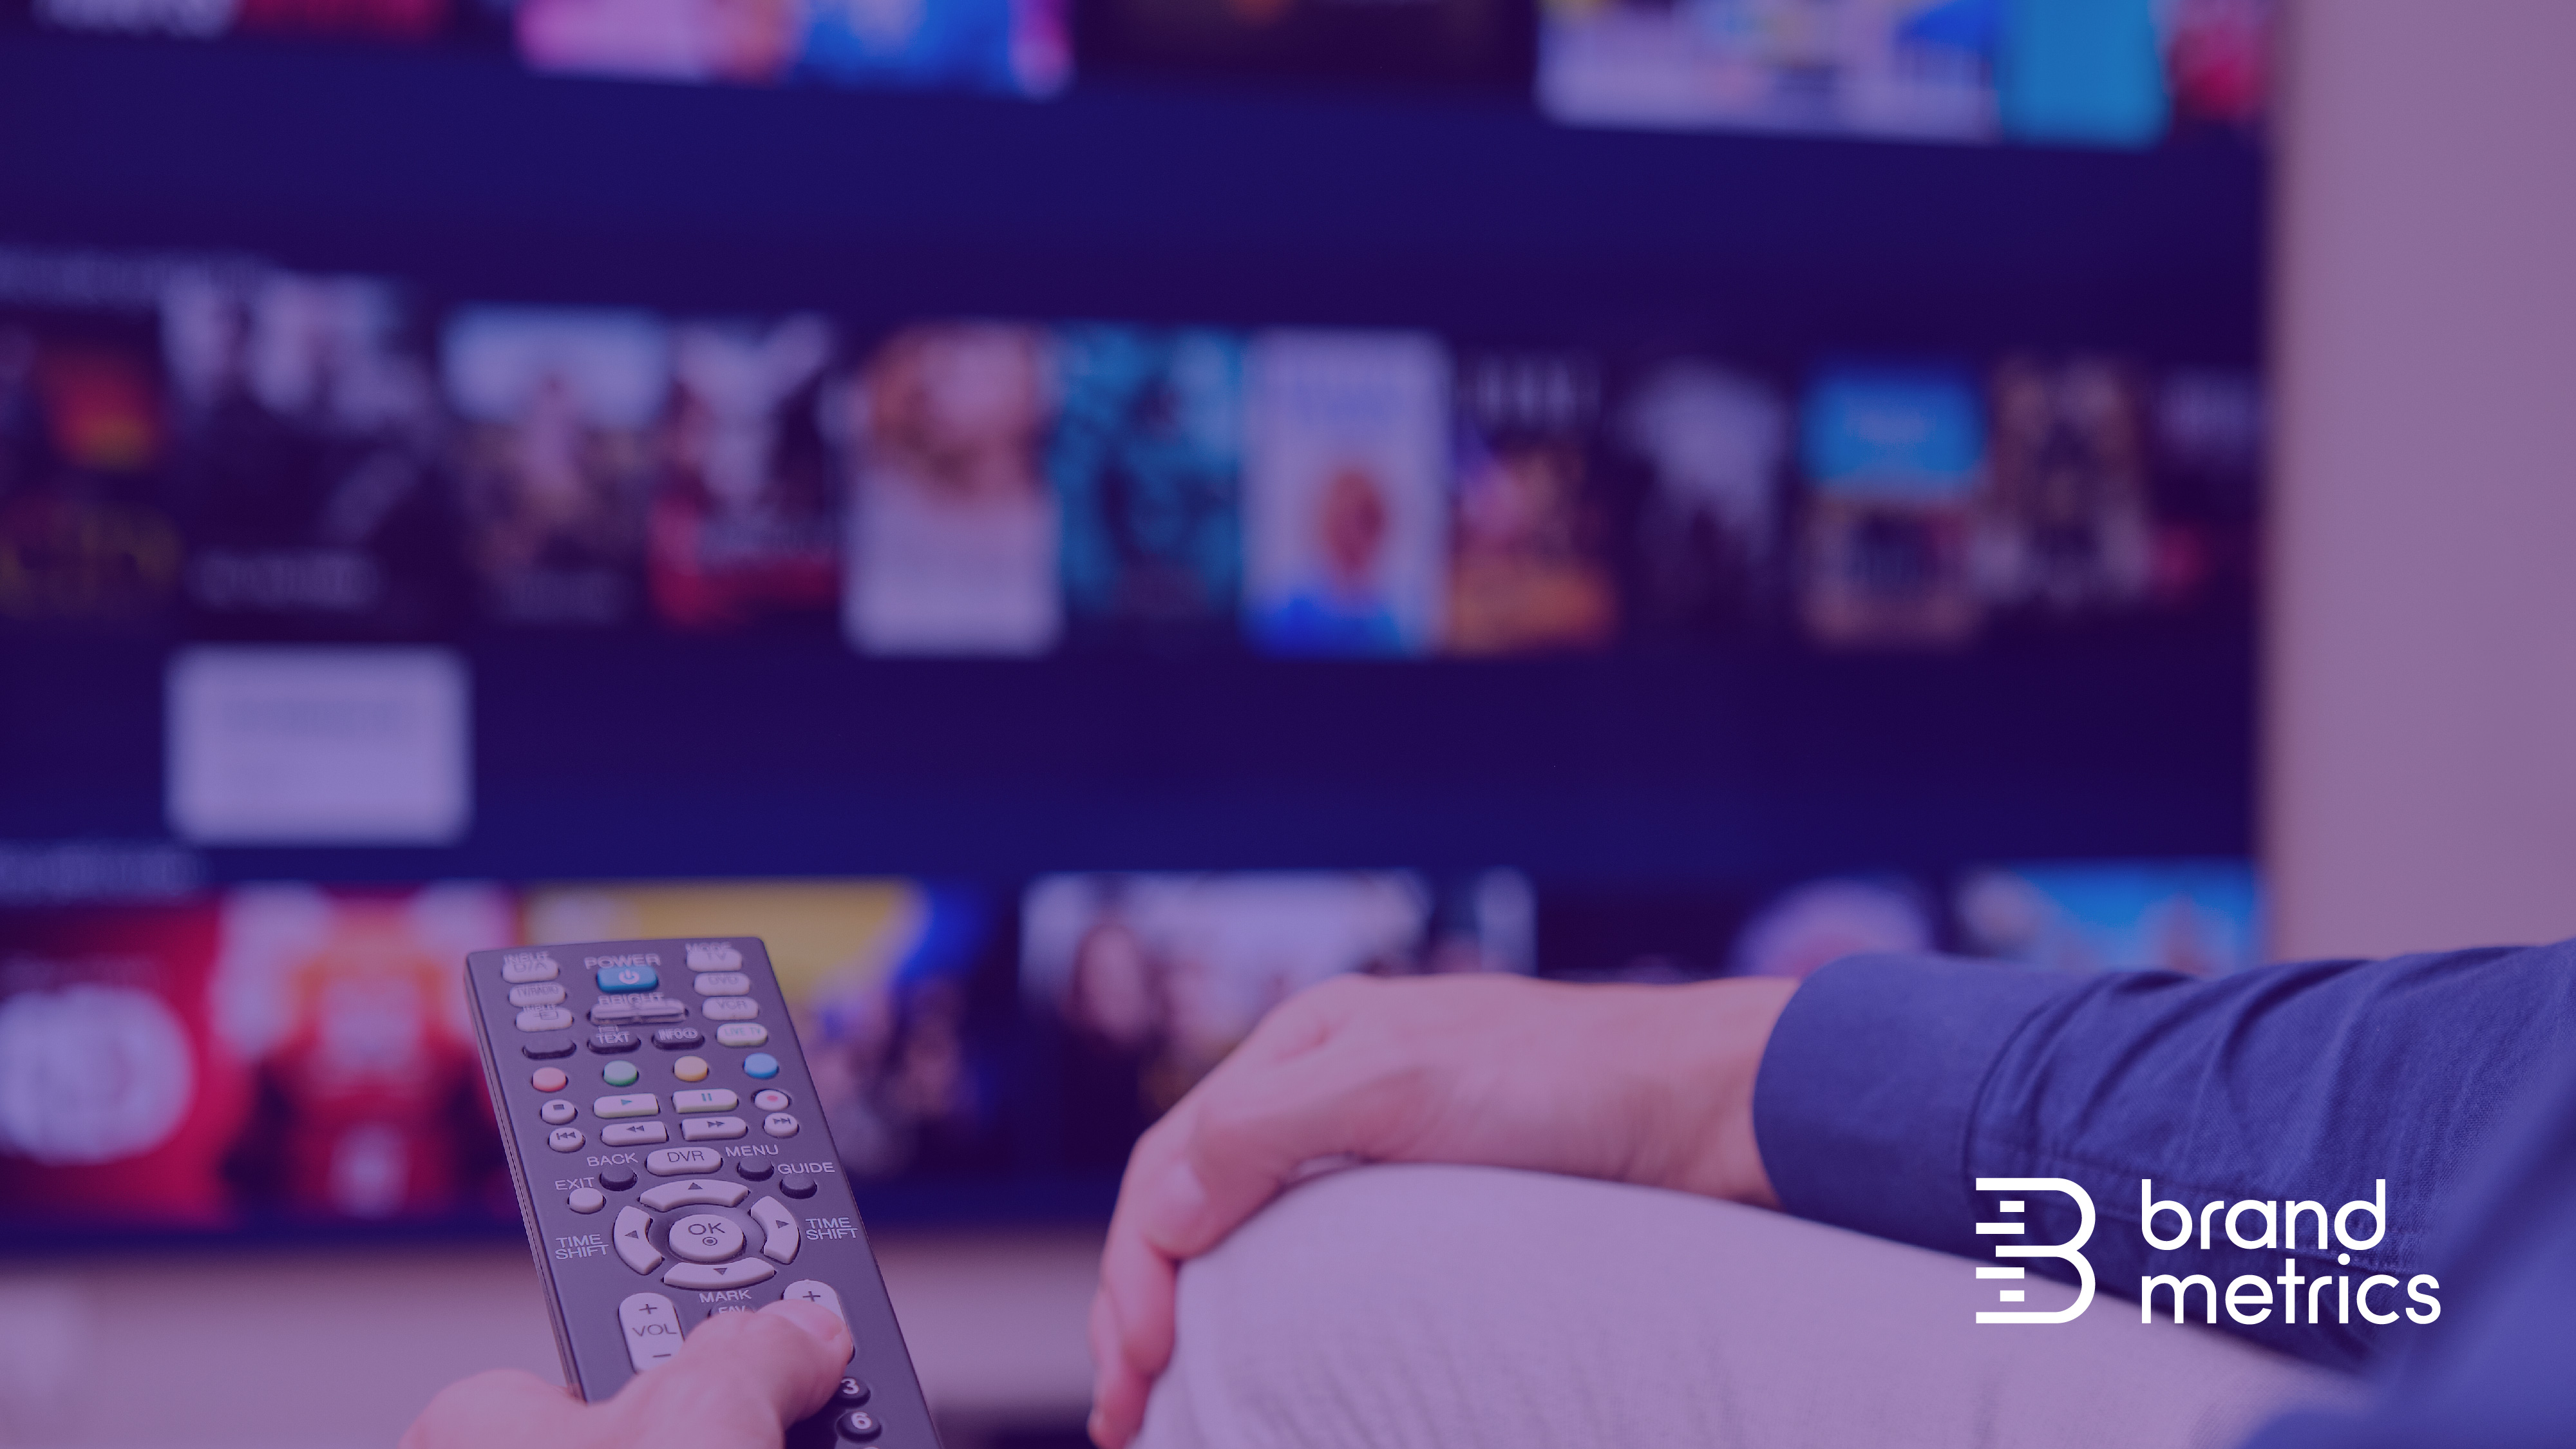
x=1116, y=1386
x=1139, y=1284
x=1248, y=1135
x=765, y=1370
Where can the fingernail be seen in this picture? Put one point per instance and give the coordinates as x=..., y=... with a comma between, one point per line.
x=1174, y=1203
x=821, y=1323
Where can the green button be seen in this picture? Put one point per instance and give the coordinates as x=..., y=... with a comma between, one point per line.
x=619, y=1074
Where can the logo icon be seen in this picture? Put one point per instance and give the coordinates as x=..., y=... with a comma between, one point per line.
x=2070, y=1250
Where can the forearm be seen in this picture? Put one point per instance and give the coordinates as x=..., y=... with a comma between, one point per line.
x=1891, y=1084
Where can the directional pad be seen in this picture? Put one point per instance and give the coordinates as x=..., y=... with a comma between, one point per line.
x=694, y=1191
x=719, y=1275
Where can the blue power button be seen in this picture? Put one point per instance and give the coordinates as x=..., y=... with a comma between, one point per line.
x=628, y=978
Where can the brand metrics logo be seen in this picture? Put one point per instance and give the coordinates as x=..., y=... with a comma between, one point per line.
x=2072, y=1250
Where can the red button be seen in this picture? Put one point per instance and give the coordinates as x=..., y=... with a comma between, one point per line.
x=549, y=1079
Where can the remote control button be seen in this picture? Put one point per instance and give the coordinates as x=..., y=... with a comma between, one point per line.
x=618, y=1179
x=769, y=1099
x=752, y=1169
x=705, y=1099
x=778, y=1230
x=652, y=1328
x=619, y=1074
x=610, y=1040
x=690, y=1069
x=796, y=1184
x=853, y=1391
x=634, y=1134
x=632, y=977
x=682, y=1161
x=705, y=1238
x=560, y=1046
x=724, y=983
x=627, y=1010
x=779, y=1124
x=719, y=1275
x=858, y=1424
x=544, y=1018
x=730, y=1008
x=587, y=1200
x=629, y=1104
x=544, y=993
x=565, y=1139
x=760, y=1065
x=742, y=1034
x=678, y=1038
x=694, y=1192
x=809, y=1290
x=557, y=1112
x=714, y=956
x=549, y=1079
x=635, y=1240
x=520, y=967
x=711, y=1129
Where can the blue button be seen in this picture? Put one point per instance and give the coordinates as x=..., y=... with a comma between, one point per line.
x=761, y=1065
x=628, y=978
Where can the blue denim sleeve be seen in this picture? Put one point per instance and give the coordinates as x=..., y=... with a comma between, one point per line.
x=1892, y=1082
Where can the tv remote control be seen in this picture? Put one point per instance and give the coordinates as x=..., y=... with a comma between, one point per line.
x=673, y=1164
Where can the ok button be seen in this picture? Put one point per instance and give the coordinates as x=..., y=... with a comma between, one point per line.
x=706, y=1238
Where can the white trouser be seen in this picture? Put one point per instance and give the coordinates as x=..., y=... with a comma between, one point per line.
x=1432, y=1307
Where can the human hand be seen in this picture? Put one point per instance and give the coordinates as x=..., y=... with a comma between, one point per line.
x=740, y=1379
x=1642, y=1084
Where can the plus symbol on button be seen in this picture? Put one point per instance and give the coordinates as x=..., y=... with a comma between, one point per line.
x=811, y=1296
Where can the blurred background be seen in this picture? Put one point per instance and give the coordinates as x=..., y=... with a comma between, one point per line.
x=1075, y=519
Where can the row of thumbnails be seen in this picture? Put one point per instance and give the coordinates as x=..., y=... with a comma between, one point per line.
x=239, y=452
x=297, y=1052
x=2110, y=72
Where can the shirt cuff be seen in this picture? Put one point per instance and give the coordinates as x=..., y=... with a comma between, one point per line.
x=1868, y=1089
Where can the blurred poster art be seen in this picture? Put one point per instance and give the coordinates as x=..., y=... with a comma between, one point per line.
x=952, y=533
x=308, y=473
x=744, y=523
x=86, y=537
x=557, y=457
x=1147, y=981
x=1006, y=47
x=2198, y=917
x=1482, y=44
x=119, y=1092
x=395, y=20
x=368, y=1099
x=2218, y=60
x=1699, y=453
x=1920, y=68
x=1895, y=464
x=2065, y=528
x=2208, y=448
x=1807, y=926
x=1529, y=559
x=1147, y=460
x=885, y=979
x=1345, y=517
x=998, y=47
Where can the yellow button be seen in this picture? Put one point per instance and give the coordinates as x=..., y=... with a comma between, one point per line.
x=690, y=1069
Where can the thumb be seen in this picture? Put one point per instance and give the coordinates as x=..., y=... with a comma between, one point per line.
x=765, y=1370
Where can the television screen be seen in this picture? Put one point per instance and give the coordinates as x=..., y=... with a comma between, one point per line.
x=1070, y=575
